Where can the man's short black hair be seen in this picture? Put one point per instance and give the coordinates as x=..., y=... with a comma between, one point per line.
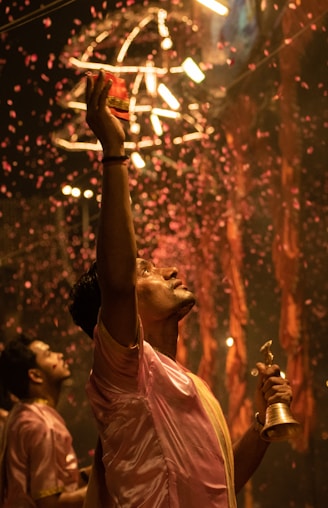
x=85, y=300
x=15, y=362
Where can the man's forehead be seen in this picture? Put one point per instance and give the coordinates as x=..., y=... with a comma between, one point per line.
x=38, y=346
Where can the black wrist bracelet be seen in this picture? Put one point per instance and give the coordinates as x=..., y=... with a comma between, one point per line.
x=115, y=158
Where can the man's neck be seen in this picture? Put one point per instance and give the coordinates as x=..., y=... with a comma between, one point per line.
x=50, y=395
x=37, y=400
x=163, y=337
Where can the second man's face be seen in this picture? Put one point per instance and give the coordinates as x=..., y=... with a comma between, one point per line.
x=52, y=364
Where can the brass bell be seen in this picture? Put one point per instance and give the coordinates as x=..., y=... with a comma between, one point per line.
x=279, y=423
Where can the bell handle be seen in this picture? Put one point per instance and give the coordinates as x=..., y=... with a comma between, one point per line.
x=266, y=351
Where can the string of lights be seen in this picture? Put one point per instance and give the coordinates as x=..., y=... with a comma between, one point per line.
x=34, y=15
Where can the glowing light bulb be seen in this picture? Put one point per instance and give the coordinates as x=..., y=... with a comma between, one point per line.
x=166, y=43
x=151, y=79
x=168, y=96
x=135, y=128
x=218, y=7
x=165, y=112
x=137, y=160
x=76, y=192
x=67, y=190
x=88, y=193
x=230, y=341
x=192, y=70
x=162, y=28
x=156, y=123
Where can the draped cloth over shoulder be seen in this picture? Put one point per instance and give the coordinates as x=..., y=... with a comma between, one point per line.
x=163, y=436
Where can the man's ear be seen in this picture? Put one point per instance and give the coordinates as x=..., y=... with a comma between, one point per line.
x=35, y=376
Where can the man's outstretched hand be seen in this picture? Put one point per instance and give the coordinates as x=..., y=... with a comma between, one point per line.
x=106, y=127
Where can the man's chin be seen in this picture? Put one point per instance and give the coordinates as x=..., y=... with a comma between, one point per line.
x=186, y=308
x=66, y=376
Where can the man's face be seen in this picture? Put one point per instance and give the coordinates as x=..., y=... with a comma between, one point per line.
x=51, y=364
x=160, y=293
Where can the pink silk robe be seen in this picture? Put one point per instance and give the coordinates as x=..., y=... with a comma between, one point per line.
x=39, y=459
x=164, y=439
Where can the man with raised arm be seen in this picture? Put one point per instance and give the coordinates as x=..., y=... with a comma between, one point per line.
x=163, y=437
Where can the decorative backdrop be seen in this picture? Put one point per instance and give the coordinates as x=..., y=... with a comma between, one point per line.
x=233, y=191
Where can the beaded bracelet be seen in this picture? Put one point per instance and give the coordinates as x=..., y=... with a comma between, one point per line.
x=115, y=158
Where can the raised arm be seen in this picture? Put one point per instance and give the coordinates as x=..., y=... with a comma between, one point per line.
x=116, y=245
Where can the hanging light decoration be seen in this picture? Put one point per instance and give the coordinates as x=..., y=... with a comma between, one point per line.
x=161, y=80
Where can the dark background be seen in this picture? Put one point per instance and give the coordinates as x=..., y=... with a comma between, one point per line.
x=41, y=249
